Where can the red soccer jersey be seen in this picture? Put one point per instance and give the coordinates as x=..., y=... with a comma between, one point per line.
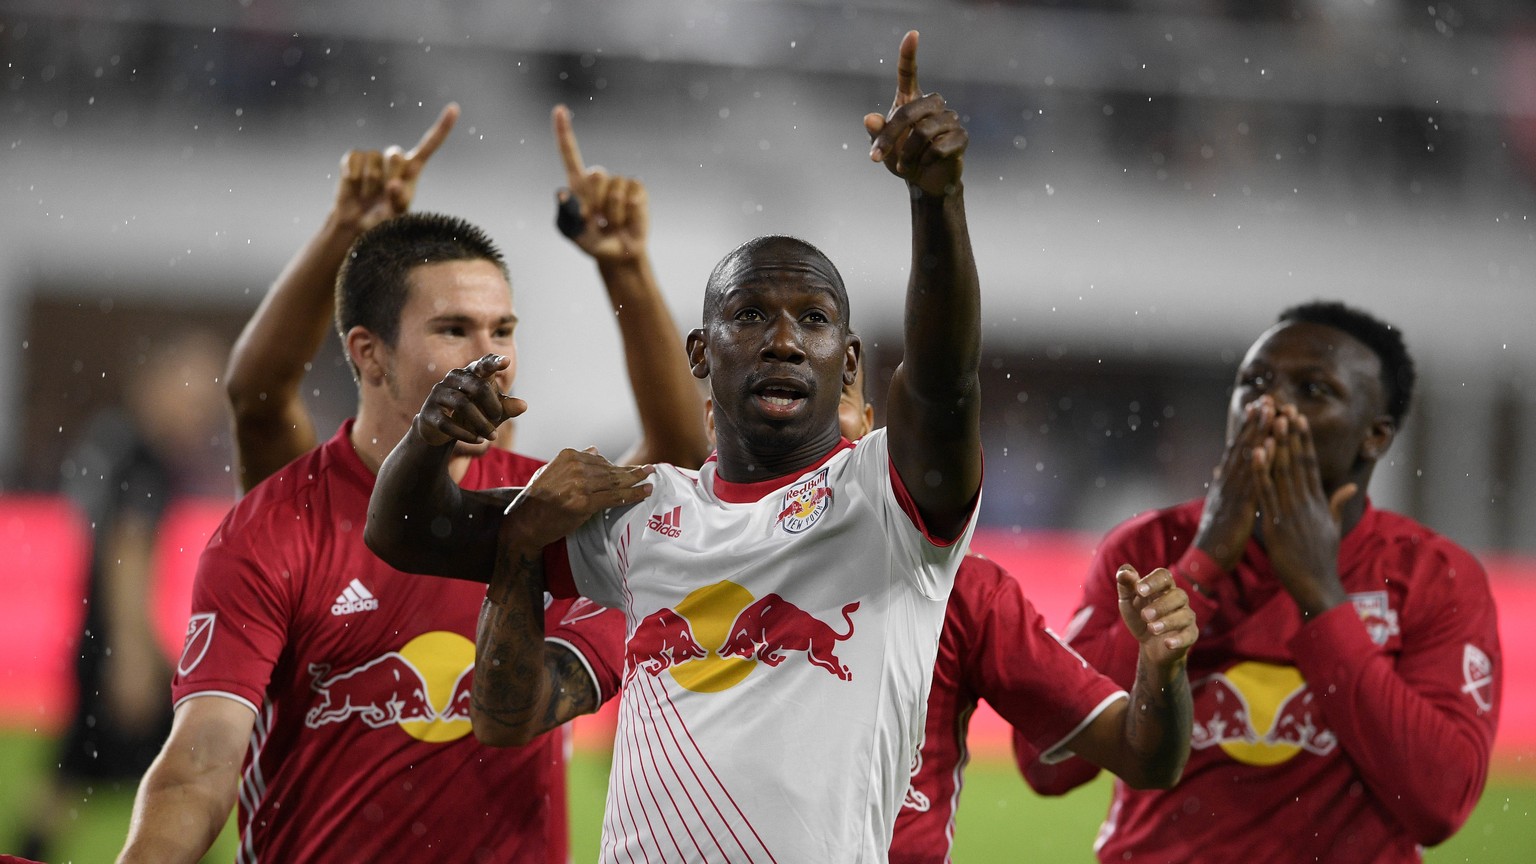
x=359, y=676
x=1353, y=738
x=994, y=646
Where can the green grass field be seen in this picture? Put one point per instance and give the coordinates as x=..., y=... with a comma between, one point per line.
x=1000, y=819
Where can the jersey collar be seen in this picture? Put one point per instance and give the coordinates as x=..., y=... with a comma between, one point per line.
x=747, y=493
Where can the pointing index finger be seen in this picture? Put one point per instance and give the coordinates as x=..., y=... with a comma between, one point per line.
x=906, y=70
x=435, y=135
x=570, y=154
x=487, y=366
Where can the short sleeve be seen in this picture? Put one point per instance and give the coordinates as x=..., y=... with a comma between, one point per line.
x=1043, y=688
x=237, y=629
x=931, y=561
x=595, y=635
x=594, y=551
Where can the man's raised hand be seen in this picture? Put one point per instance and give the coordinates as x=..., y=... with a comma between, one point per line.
x=1226, y=522
x=467, y=405
x=920, y=139
x=1300, y=523
x=1156, y=611
x=378, y=185
x=604, y=214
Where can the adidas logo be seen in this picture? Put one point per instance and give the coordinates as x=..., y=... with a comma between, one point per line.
x=668, y=524
x=355, y=599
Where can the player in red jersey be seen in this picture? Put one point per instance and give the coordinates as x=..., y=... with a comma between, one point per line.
x=351, y=681
x=995, y=646
x=1346, y=685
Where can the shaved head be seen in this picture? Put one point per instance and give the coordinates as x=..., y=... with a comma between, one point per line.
x=751, y=259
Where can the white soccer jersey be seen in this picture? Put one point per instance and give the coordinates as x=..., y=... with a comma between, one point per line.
x=781, y=645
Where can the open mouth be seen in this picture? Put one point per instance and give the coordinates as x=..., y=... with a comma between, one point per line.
x=780, y=399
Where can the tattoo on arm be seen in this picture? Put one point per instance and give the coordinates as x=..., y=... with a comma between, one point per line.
x=511, y=684
x=1159, y=716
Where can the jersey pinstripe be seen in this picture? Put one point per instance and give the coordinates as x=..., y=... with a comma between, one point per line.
x=781, y=641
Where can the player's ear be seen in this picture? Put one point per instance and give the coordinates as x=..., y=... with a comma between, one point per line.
x=698, y=361
x=367, y=352
x=851, y=357
x=1378, y=439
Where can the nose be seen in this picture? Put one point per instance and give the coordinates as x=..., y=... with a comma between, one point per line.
x=1282, y=392
x=781, y=341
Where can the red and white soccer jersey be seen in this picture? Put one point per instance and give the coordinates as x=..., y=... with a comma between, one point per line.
x=996, y=647
x=781, y=642
x=359, y=676
x=1355, y=737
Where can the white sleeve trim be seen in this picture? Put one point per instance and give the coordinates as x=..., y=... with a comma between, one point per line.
x=1058, y=752
x=597, y=692
x=223, y=694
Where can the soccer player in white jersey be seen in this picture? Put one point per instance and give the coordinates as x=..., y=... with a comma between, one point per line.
x=783, y=602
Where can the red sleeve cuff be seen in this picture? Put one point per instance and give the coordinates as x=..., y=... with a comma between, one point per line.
x=1327, y=647
x=1200, y=574
x=558, y=579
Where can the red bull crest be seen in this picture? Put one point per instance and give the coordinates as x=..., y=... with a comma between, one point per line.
x=804, y=503
x=424, y=688
x=719, y=633
x=1379, y=617
x=1258, y=714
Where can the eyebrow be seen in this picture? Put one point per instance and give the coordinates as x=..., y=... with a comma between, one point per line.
x=468, y=319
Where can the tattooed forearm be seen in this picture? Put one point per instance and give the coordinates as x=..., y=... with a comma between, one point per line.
x=1159, y=721
x=511, y=687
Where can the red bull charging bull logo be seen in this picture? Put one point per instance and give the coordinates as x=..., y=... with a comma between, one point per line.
x=423, y=688
x=1259, y=714
x=740, y=630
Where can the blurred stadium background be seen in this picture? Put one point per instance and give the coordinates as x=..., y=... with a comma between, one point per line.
x=1150, y=182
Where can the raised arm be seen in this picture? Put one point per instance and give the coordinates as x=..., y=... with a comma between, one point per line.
x=607, y=217
x=419, y=519
x=1146, y=742
x=186, y=796
x=935, y=398
x=268, y=362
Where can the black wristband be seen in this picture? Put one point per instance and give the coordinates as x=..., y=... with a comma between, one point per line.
x=568, y=218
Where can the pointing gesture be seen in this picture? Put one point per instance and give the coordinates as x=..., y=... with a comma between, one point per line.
x=376, y=186
x=920, y=140
x=604, y=214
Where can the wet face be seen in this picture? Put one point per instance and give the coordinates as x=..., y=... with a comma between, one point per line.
x=455, y=313
x=777, y=351
x=1334, y=381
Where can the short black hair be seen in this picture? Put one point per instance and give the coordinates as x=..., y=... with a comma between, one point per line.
x=371, y=287
x=1397, y=372
x=714, y=288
